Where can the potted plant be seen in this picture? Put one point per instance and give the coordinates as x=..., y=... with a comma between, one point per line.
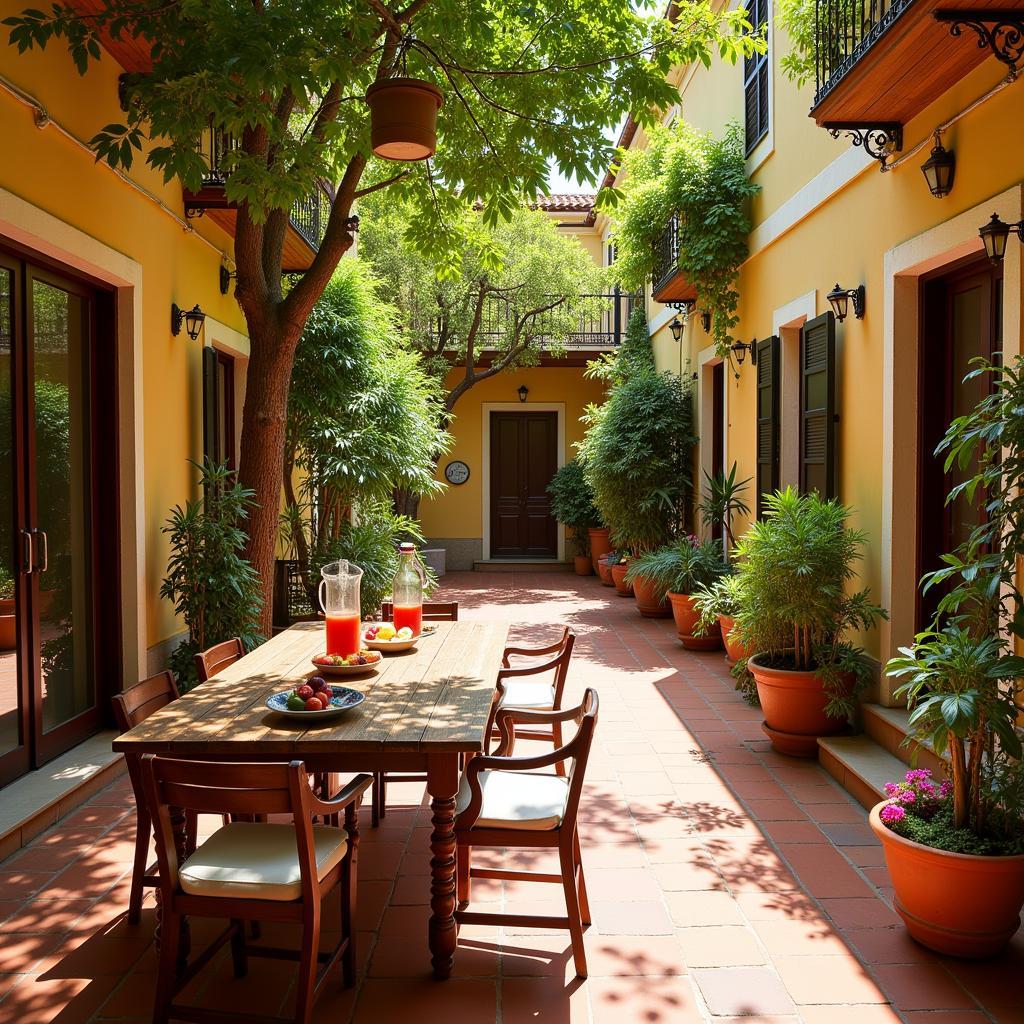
x=618, y=566
x=604, y=569
x=600, y=543
x=677, y=571
x=722, y=502
x=572, y=504
x=649, y=590
x=794, y=567
x=403, y=118
x=8, y=618
x=964, y=836
x=717, y=605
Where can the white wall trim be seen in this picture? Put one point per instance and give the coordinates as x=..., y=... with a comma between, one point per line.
x=904, y=265
x=46, y=234
x=485, y=458
x=707, y=359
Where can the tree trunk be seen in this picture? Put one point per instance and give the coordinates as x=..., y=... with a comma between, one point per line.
x=961, y=781
x=272, y=352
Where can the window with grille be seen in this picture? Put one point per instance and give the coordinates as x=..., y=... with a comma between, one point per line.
x=756, y=70
x=219, y=407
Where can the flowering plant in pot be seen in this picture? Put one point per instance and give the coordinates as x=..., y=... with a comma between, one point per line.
x=794, y=569
x=8, y=619
x=572, y=504
x=618, y=566
x=677, y=571
x=959, y=679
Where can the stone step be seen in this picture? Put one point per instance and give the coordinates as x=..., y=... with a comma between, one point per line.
x=888, y=728
x=860, y=765
x=512, y=565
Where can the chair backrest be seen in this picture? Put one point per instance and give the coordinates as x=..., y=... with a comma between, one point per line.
x=559, y=664
x=214, y=659
x=241, y=790
x=577, y=751
x=433, y=611
x=138, y=702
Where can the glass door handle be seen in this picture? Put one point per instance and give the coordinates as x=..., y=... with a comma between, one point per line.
x=44, y=564
x=27, y=552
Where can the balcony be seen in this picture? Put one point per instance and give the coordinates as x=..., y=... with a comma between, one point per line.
x=307, y=221
x=668, y=282
x=879, y=63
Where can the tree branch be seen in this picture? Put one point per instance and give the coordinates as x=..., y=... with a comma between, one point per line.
x=370, y=189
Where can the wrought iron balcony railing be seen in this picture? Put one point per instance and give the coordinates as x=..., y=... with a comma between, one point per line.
x=844, y=30
x=666, y=256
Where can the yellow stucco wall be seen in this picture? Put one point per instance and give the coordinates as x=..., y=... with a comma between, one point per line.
x=45, y=168
x=801, y=245
x=457, y=514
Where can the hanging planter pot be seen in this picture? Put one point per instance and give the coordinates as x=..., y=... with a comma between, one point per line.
x=403, y=118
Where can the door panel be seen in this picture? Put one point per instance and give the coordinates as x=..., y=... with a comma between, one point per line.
x=524, y=458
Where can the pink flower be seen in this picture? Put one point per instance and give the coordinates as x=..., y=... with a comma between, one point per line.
x=892, y=789
x=946, y=788
x=919, y=775
x=892, y=813
x=907, y=796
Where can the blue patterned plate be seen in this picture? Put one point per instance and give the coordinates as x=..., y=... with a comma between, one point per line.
x=343, y=699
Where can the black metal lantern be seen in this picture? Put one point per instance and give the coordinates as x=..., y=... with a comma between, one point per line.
x=839, y=300
x=939, y=170
x=705, y=321
x=193, y=320
x=740, y=349
x=523, y=392
x=995, y=234
x=676, y=327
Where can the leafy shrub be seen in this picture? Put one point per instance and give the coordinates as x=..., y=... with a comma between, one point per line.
x=637, y=451
x=572, y=504
x=721, y=597
x=680, y=568
x=793, y=568
x=6, y=581
x=213, y=588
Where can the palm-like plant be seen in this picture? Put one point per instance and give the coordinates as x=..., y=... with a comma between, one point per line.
x=680, y=568
x=572, y=504
x=722, y=502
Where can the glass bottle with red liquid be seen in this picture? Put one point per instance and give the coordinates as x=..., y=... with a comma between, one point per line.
x=407, y=590
x=339, y=598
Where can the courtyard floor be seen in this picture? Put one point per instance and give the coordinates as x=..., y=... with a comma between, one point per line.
x=726, y=881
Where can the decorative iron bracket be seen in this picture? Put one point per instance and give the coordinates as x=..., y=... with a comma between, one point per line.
x=684, y=306
x=879, y=139
x=1001, y=31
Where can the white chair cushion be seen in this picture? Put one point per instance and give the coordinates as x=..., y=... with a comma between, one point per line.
x=257, y=861
x=520, y=800
x=537, y=696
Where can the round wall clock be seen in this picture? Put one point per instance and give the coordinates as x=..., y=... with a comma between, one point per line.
x=456, y=472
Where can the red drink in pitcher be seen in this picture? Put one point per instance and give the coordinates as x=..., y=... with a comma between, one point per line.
x=408, y=615
x=343, y=634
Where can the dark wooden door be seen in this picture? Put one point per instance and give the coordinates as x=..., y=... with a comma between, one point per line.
x=961, y=317
x=524, y=458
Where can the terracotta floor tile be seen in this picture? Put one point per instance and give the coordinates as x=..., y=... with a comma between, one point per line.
x=827, y=979
x=888, y=946
x=860, y=913
x=720, y=946
x=649, y=956
x=744, y=992
x=945, y=1017
x=626, y=918
x=799, y=938
x=922, y=987
x=643, y=1000
x=861, y=1014
x=394, y=999
x=539, y=1001
x=702, y=909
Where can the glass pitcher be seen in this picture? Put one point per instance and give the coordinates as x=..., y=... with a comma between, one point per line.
x=340, y=583
x=407, y=590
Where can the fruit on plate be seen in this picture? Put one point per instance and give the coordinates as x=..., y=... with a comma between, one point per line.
x=314, y=704
x=296, y=703
x=405, y=633
x=305, y=691
x=386, y=632
x=364, y=657
x=371, y=633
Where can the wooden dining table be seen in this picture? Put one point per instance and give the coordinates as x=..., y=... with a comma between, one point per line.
x=423, y=711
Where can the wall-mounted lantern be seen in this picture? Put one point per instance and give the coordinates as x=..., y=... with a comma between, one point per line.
x=226, y=277
x=995, y=235
x=839, y=300
x=523, y=392
x=740, y=350
x=705, y=321
x=193, y=320
x=676, y=327
x=939, y=169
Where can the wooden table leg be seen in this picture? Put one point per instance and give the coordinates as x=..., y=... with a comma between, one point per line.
x=442, y=785
x=179, y=825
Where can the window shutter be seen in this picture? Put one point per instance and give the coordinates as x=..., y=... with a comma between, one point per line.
x=755, y=82
x=818, y=406
x=210, y=403
x=767, y=418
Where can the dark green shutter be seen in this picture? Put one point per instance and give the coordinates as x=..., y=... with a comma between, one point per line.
x=818, y=406
x=767, y=418
x=210, y=404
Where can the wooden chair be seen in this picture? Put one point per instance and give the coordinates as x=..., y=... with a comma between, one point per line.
x=251, y=871
x=513, y=691
x=433, y=611
x=504, y=802
x=214, y=659
x=132, y=706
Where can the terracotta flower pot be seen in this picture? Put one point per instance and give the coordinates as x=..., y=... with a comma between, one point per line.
x=794, y=708
x=622, y=588
x=956, y=903
x=584, y=566
x=600, y=544
x=687, y=617
x=646, y=593
x=8, y=625
x=734, y=650
x=403, y=118
x=604, y=571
